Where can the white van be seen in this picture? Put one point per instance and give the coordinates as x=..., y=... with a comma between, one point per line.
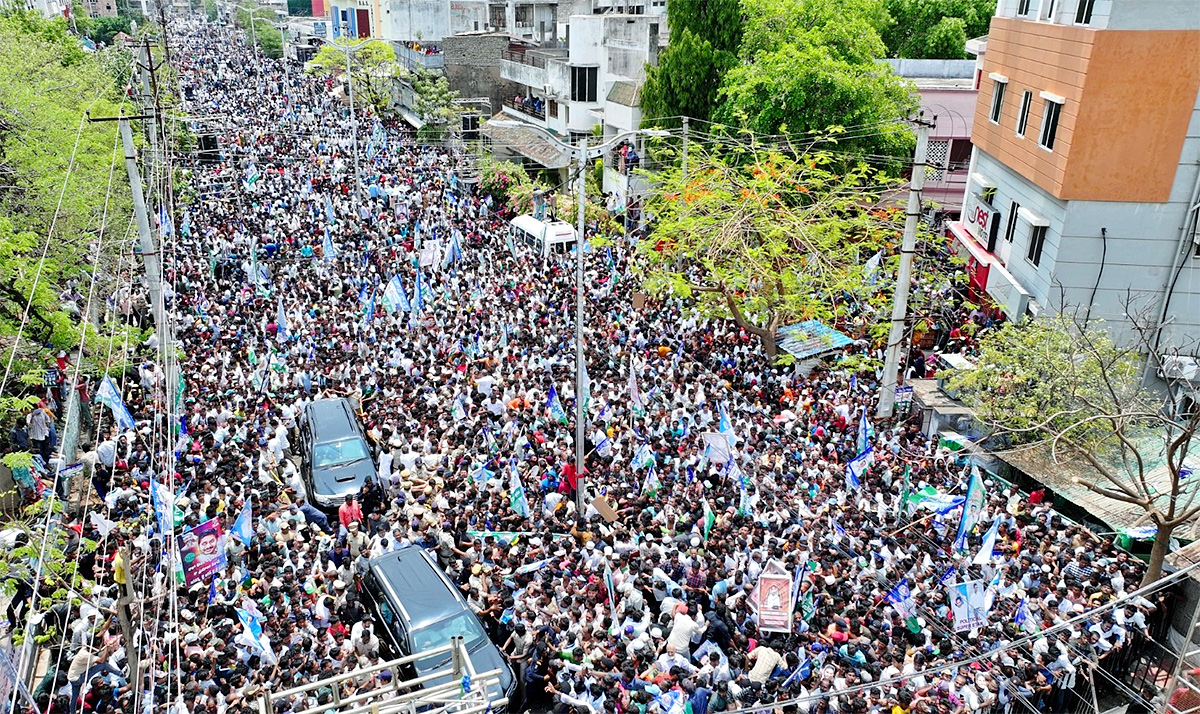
x=545, y=237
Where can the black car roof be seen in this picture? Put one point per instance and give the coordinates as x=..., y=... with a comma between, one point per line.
x=331, y=419
x=417, y=585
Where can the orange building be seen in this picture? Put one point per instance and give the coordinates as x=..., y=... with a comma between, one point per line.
x=1086, y=168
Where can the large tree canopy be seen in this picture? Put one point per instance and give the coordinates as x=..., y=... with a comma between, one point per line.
x=811, y=86
x=765, y=237
x=705, y=38
x=935, y=29
x=62, y=186
x=373, y=69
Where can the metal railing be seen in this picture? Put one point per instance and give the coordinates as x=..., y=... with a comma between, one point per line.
x=525, y=109
x=466, y=691
x=524, y=58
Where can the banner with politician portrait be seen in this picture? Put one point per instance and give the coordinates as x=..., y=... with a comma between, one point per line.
x=968, y=603
x=202, y=550
x=774, y=598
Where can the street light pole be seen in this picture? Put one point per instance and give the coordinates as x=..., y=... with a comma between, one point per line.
x=353, y=119
x=580, y=156
x=580, y=354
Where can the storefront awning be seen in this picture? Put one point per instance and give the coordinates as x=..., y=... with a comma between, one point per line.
x=811, y=338
x=530, y=142
x=987, y=273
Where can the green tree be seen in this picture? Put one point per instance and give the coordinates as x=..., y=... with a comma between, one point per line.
x=935, y=29
x=373, y=69
x=104, y=29
x=55, y=192
x=764, y=237
x=705, y=37
x=809, y=86
x=435, y=105
x=264, y=32
x=210, y=10
x=685, y=81
x=1070, y=386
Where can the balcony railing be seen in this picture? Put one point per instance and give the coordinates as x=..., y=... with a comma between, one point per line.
x=526, y=108
x=524, y=58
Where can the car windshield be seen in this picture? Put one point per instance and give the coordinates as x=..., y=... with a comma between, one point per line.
x=335, y=453
x=439, y=633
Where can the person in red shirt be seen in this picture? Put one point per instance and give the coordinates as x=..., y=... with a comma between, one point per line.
x=349, y=512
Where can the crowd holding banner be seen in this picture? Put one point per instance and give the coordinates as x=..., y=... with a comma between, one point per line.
x=754, y=535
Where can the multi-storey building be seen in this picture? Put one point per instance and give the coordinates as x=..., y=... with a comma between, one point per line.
x=1085, y=176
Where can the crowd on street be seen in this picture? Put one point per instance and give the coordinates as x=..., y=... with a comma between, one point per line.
x=278, y=270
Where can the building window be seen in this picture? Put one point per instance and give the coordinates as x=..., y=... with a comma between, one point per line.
x=960, y=155
x=1023, y=117
x=584, y=81
x=998, y=88
x=1023, y=8
x=1050, y=124
x=1037, y=241
x=1011, y=227
x=552, y=109
x=1083, y=12
x=1046, y=11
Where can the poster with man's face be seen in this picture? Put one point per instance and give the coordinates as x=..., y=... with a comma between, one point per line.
x=967, y=605
x=202, y=550
x=774, y=598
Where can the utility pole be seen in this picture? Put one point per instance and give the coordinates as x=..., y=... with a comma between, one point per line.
x=684, y=158
x=580, y=355
x=150, y=255
x=353, y=119
x=891, y=363
x=124, y=614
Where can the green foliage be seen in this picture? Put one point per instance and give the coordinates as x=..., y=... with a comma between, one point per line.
x=1058, y=380
x=52, y=186
x=811, y=87
x=719, y=22
x=685, y=81
x=264, y=32
x=771, y=24
x=210, y=10
x=435, y=103
x=501, y=179
x=373, y=69
x=103, y=29
x=705, y=36
x=935, y=29
x=764, y=237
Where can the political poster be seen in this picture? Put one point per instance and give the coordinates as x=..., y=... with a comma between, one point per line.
x=968, y=603
x=203, y=552
x=775, y=602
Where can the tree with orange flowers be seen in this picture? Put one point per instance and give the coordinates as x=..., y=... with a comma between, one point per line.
x=770, y=237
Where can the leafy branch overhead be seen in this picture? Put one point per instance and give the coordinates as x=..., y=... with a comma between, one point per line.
x=1068, y=387
x=765, y=237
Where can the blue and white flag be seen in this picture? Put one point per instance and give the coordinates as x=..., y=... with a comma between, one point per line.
x=458, y=411
x=972, y=510
x=554, y=407
x=328, y=248
x=604, y=447
x=163, y=503
x=252, y=636
x=329, y=208
x=644, y=456
x=185, y=226
x=723, y=424
x=243, y=527
x=369, y=312
x=985, y=554
x=516, y=493
x=394, y=297
x=901, y=598
x=108, y=395
x=948, y=575
x=857, y=466
x=865, y=432
x=281, y=321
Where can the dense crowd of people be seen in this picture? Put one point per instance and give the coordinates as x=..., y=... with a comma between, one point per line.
x=277, y=278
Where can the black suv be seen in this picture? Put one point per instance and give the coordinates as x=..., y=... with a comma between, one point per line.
x=337, y=457
x=421, y=610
